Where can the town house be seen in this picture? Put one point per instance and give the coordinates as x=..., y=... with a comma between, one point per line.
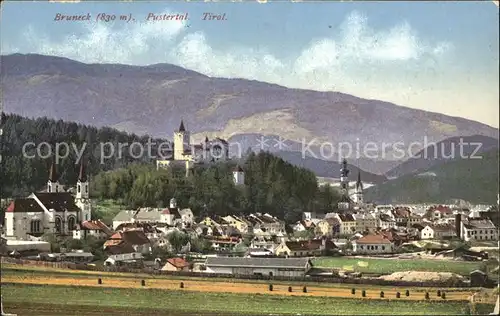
x=366, y=222
x=237, y=223
x=372, y=244
x=478, y=229
x=315, y=247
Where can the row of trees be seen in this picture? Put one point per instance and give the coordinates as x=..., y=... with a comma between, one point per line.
x=271, y=186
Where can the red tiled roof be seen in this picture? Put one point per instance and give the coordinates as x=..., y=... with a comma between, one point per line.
x=305, y=245
x=373, y=239
x=441, y=209
x=401, y=212
x=178, y=262
x=96, y=225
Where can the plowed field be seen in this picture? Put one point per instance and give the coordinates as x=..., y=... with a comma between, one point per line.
x=226, y=287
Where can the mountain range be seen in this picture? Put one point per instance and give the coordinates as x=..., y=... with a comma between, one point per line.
x=444, y=152
x=472, y=180
x=153, y=99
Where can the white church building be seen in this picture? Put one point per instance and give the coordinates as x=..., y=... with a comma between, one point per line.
x=186, y=155
x=51, y=211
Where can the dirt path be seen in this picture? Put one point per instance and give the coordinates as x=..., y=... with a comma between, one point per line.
x=227, y=287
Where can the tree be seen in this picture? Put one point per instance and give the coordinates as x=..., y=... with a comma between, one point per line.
x=305, y=234
x=177, y=240
x=55, y=244
x=200, y=245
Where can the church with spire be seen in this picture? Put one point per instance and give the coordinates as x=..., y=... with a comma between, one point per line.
x=183, y=153
x=52, y=210
x=349, y=201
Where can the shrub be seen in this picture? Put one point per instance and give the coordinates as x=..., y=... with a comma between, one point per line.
x=381, y=293
x=427, y=295
x=353, y=291
x=182, y=285
x=143, y=282
x=99, y=281
x=363, y=293
x=289, y=289
x=270, y=287
x=398, y=295
x=443, y=295
x=439, y=293
x=407, y=293
x=304, y=289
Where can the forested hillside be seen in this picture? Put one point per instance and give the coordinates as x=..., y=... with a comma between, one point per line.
x=272, y=186
x=21, y=175
x=473, y=180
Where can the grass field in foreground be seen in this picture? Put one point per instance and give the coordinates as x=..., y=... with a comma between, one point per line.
x=174, y=300
x=388, y=266
x=33, y=272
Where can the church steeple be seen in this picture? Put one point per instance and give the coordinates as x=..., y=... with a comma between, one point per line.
x=82, y=177
x=359, y=184
x=53, y=172
x=82, y=186
x=358, y=194
x=53, y=184
x=182, y=128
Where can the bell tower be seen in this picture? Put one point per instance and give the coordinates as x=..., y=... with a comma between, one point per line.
x=82, y=185
x=82, y=198
x=53, y=183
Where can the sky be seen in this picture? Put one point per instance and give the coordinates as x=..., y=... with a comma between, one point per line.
x=435, y=56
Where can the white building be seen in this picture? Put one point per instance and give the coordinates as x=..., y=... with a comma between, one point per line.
x=52, y=211
x=170, y=216
x=372, y=244
x=438, y=232
x=288, y=267
x=186, y=155
x=478, y=229
x=238, y=176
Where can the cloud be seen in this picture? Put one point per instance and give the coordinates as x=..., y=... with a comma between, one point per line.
x=101, y=43
x=323, y=64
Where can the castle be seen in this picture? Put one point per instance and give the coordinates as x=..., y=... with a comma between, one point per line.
x=186, y=155
x=53, y=210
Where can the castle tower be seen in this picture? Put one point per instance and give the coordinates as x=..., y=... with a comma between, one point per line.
x=53, y=183
x=358, y=194
x=82, y=199
x=181, y=142
x=238, y=176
